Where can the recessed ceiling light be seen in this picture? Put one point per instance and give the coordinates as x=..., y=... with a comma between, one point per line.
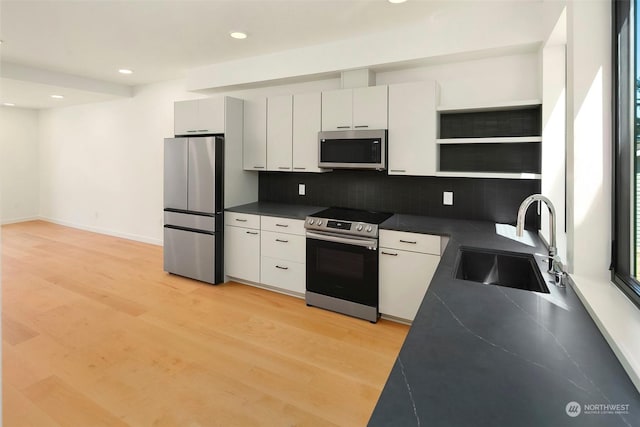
x=8, y=104
x=57, y=96
x=397, y=1
x=238, y=35
x=125, y=71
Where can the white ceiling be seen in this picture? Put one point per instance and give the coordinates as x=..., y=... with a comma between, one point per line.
x=162, y=39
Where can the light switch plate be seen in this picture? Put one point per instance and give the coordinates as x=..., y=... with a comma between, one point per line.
x=301, y=189
x=447, y=198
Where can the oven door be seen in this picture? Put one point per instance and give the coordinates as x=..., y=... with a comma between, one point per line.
x=343, y=267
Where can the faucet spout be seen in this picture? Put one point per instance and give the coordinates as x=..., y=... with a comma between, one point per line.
x=524, y=206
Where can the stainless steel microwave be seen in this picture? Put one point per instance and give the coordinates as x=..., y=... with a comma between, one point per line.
x=353, y=149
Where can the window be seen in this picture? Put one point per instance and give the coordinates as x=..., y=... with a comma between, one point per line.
x=626, y=167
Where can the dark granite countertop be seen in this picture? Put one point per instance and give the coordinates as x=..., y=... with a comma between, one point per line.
x=483, y=355
x=276, y=209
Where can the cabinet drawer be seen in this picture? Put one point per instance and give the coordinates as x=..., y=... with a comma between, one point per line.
x=289, y=247
x=282, y=225
x=242, y=220
x=283, y=274
x=415, y=242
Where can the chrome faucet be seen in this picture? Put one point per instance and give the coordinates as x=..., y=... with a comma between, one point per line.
x=555, y=264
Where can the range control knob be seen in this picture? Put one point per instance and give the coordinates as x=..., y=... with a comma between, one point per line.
x=369, y=228
x=311, y=221
x=359, y=227
x=319, y=222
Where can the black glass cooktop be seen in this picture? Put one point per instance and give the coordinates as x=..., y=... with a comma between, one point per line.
x=353, y=215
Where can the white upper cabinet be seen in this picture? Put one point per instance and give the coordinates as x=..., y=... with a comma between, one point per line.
x=307, y=112
x=337, y=106
x=412, y=128
x=199, y=116
x=370, y=107
x=280, y=133
x=359, y=108
x=255, y=134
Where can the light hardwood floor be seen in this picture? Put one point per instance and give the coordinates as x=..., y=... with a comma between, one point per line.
x=95, y=333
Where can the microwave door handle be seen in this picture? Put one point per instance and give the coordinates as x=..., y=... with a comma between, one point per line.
x=367, y=243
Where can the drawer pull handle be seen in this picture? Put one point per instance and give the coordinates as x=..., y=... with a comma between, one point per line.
x=299, y=169
x=241, y=220
x=408, y=241
x=398, y=170
x=286, y=168
x=282, y=268
x=282, y=241
x=252, y=232
x=388, y=253
x=343, y=127
x=282, y=225
x=258, y=167
x=361, y=126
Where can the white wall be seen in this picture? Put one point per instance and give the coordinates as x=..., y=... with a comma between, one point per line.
x=589, y=138
x=452, y=29
x=101, y=164
x=498, y=79
x=554, y=130
x=18, y=164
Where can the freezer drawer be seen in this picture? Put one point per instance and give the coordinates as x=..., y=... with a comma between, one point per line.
x=185, y=220
x=191, y=254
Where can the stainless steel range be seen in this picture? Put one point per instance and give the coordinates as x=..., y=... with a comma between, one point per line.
x=342, y=261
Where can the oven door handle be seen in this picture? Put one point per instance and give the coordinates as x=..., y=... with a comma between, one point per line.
x=367, y=243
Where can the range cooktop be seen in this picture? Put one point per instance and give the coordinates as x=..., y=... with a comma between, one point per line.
x=347, y=221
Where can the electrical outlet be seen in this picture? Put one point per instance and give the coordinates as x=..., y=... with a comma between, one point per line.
x=301, y=190
x=447, y=198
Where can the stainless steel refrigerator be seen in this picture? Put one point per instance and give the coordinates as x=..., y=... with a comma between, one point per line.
x=193, y=207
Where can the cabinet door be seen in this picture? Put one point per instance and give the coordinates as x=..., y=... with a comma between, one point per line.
x=307, y=113
x=404, y=279
x=370, y=107
x=242, y=253
x=279, y=133
x=185, y=117
x=412, y=129
x=337, y=109
x=255, y=134
x=211, y=115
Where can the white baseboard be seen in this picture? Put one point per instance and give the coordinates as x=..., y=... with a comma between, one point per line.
x=108, y=232
x=17, y=220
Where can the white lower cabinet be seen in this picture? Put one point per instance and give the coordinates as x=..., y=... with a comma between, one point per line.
x=266, y=250
x=405, y=275
x=242, y=253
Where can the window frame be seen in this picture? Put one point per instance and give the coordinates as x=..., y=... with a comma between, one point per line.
x=625, y=99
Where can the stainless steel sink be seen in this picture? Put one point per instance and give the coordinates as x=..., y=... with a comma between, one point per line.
x=510, y=269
